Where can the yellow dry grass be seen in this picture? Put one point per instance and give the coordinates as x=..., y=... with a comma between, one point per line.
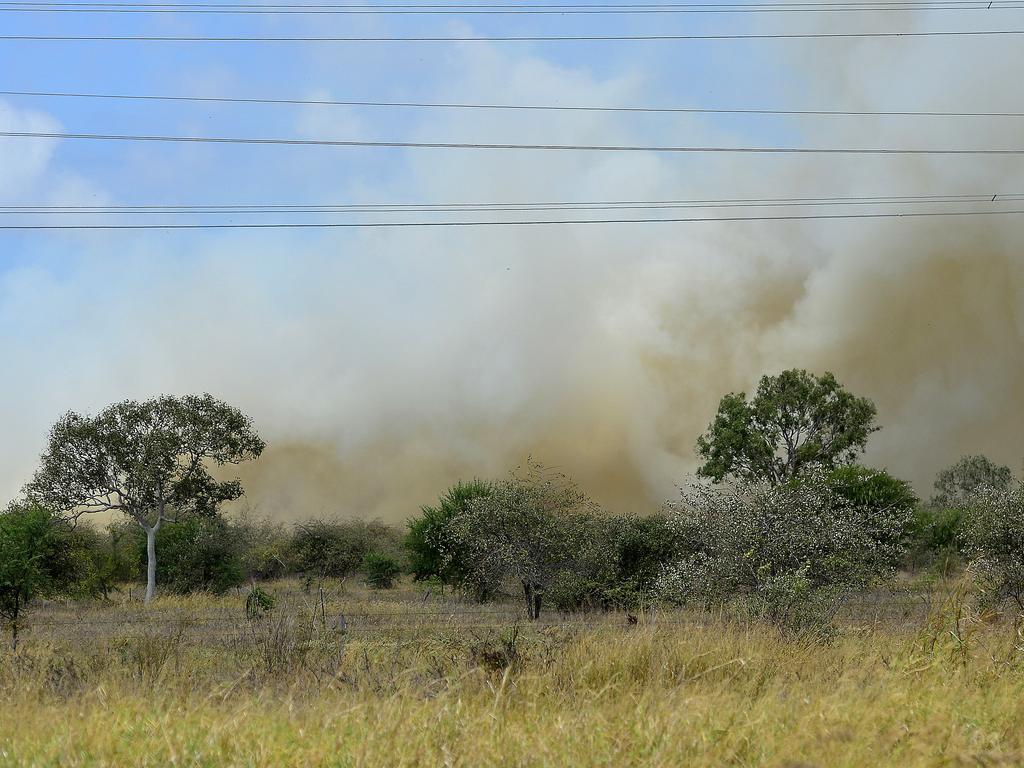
x=708, y=693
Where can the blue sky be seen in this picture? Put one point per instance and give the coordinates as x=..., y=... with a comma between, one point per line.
x=441, y=354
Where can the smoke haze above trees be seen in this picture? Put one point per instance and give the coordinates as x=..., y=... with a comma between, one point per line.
x=382, y=366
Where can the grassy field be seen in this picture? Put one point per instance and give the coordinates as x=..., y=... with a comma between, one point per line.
x=420, y=679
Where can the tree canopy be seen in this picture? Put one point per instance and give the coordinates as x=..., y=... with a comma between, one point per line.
x=149, y=460
x=522, y=532
x=795, y=422
x=958, y=484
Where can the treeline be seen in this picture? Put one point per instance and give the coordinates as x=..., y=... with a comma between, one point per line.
x=781, y=522
x=219, y=553
x=788, y=553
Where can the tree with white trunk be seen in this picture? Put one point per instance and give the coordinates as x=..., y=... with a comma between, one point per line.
x=150, y=461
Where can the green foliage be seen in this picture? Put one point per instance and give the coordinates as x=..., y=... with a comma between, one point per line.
x=262, y=546
x=105, y=559
x=796, y=422
x=865, y=487
x=199, y=554
x=993, y=532
x=788, y=553
x=258, y=603
x=616, y=562
x=36, y=560
x=521, y=533
x=957, y=486
x=875, y=490
x=588, y=570
x=148, y=460
x=934, y=539
x=380, y=570
x=643, y=548
x=539, y=533
x=430, y=541
x=332, y=548
x=145, y=458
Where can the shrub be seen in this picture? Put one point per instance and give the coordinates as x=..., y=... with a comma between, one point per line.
x=934, y=539
x=336, y=549
x=993, y=532
x=433, y=548
x=786, y=553
x=262, y=546
x=958, y=485
x=615, y=562
x=380, y=570
x=258, y=603
x=36, y=560
x=643, y=547
x=105, y=559
x=197, y=554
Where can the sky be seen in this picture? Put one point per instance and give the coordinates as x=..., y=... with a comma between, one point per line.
x=381, y=365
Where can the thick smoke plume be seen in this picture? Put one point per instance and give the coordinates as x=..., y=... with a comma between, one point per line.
x=383, y=366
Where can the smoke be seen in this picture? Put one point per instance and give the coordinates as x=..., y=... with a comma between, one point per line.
x=381, y=366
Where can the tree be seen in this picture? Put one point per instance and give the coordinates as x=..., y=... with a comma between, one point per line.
x=36, y=560
x=521, y=532
x=959, y=484
x=796, y=422
x=148, y=460
x=433, y=548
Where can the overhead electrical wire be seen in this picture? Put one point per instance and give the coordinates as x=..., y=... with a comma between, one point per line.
x=530, y=222
x=503, y=146
x=502, y=207
x=514, y=38
x=507, y=10
x=524, y=107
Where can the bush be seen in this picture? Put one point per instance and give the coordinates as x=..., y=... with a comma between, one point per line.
x=105, y=559
x=258, y=603
x=336, y=549
x=934, y=539
x=643, y=548
x=614, y=563
x=786, y=553
x=380, y=570
x=36, y=560
x=993, y=531
x=433, y=548
x=195, y=555
x=958, y=485
x=262, y=546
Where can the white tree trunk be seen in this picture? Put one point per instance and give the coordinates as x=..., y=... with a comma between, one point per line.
x=151, y=532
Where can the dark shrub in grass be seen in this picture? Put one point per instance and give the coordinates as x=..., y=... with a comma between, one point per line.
x=380, y=570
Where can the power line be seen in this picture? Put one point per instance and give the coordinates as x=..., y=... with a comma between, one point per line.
x=502, y=146
x=531, y=222
x=506, y=207
x=483, y=6
x=528, y=107
x=515, y=39
x=507, y=10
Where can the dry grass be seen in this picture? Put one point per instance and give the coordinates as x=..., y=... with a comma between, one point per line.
x=454, y=690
